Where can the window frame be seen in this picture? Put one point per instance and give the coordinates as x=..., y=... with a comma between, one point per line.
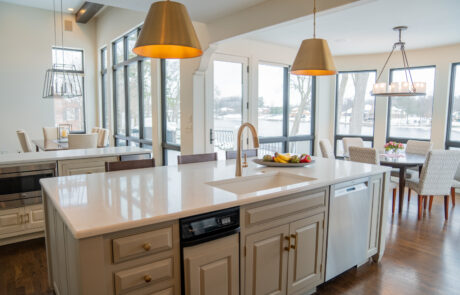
x=405, y=139
x=285, y=139
x=125, y=63
x=78, y=72
x=451, y=143
x=103, y=73
x=165, y=146
x=338, y=137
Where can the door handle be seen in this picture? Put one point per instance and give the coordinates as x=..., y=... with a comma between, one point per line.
x=295, y=241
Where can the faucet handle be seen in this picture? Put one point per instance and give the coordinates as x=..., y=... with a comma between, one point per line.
x=245, y=162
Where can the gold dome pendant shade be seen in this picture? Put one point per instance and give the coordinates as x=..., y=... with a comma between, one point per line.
x=168, y=33
x=314, y=57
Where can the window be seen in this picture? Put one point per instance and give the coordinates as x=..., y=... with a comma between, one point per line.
x=453, y=122
x=131, y=92
x=285, y=111
x=105, y=106
x=355, y=107
x=71, y=110
x=170, y=108
x=410, y=117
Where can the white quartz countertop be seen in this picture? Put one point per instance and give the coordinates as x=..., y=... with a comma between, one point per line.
x=102, y=203
x=34, y=157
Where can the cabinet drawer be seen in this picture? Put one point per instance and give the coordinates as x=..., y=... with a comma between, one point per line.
x=282, y=208
x=142, y=244
x=143, y=276
x=148, y=291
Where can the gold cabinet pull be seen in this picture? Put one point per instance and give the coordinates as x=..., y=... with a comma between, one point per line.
x=147, y=278
x=287, y=238
x=295, y=241
x=147, y=246
x=20, y=219
x=27, y=218
x=286, y=248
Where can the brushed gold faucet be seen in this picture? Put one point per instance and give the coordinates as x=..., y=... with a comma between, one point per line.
x=255, y=140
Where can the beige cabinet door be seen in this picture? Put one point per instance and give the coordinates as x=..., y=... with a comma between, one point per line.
x=11, y=221
x=306, y=252
x=266, y=261
x=213, y=268
x=35, y=216
x=375, y=191
x=83, y=166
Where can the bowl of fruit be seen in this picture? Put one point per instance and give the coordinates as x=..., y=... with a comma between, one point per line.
x=285, y=160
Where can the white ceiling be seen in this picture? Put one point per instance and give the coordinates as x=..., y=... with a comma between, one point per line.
x=367, y=27
x=48, y=4
x=200, y=10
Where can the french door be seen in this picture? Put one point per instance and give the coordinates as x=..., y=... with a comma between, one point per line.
x=227, y=102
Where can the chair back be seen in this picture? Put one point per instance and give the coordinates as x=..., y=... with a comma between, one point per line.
x=418, y=147
x=128, y=165
x=364, y=155
x=351, y=141
x=102, y=137
x=50, y=133
x=24, y=141
x=438, y=172
x=326, y=148
x=249, y=153
x=95, y=129
x=82, y=141
x=197, y=158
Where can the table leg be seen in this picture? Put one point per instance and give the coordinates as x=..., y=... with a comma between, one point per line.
x=402, y=185
x=37, y=149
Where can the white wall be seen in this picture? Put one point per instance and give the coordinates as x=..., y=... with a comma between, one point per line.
x=25, y=54
x=441, y=57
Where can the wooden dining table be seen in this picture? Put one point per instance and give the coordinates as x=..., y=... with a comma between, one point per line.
x=50, y=145
x=402, y=161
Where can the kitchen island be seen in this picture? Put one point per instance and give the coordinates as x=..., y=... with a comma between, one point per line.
x=21, y=209
x=118, y=232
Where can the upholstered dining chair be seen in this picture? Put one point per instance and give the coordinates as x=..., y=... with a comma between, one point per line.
x=95, y=129
x=102, y=137
x=371, y=156
x=50, y=133
x=83, y=141
x=351, y=141
x=250, y=153
x=24, y=141
x=326, y=148
x=129, y=165
x=418, y=147
x=435, y=178
x=196, y=158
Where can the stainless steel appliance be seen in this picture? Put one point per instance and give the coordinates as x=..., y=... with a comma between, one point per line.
x=20, y=185
x=348, y=226
x=200, y=233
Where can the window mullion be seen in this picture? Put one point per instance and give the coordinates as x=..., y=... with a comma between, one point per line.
x=141, y=97
x=286, y=109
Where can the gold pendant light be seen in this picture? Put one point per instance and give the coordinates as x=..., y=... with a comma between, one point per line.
x=314, y=57
x=168, y=33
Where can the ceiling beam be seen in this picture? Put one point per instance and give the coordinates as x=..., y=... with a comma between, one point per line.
x=267, y=14
x=87, y=11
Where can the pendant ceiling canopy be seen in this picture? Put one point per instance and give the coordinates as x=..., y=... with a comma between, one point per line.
x=314, y=57
x=168, y=33
x=407, y=88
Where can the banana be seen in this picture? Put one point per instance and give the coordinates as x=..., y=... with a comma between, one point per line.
x=285, y=157
x=280, y=160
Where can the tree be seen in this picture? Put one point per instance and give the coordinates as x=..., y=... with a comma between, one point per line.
x=360, y=84
x=302, y=85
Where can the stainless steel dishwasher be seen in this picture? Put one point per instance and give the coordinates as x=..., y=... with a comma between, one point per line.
x=348, y=226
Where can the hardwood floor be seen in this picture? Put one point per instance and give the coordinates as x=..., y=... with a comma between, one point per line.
x=421, y=257
x=23, y=268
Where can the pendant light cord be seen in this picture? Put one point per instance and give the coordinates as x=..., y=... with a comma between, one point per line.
x=314, y=19
x=55, y=34
x=62, y=36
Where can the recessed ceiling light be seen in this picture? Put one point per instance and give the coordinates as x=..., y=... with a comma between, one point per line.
x=70, y=9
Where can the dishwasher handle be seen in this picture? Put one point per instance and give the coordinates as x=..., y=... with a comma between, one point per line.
x=350, y=189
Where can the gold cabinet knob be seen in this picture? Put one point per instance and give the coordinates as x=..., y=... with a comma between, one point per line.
x=287, y=238
x=147, y=246
x=147, y=278
x=293, y=247
x=286, y=248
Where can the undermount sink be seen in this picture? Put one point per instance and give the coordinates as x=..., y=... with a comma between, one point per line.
x=262, y=182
